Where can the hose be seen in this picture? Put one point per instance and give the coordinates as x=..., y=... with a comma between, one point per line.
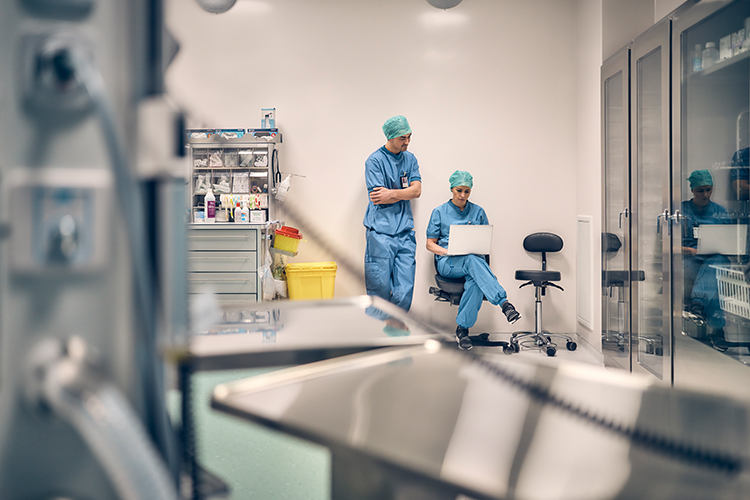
x=69, y=63
x=103, y=418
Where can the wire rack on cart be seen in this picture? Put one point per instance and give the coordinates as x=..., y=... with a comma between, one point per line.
x=734, y=291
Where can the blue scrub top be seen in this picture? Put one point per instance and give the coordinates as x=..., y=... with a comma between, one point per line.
x=448, y=214
x=713, y=213
x=384, y=169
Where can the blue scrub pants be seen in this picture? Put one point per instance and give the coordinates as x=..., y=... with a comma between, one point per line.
x=701, y=284
x=390, y=266
x=480, y=283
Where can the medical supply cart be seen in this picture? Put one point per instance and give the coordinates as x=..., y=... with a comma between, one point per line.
x=239, y=166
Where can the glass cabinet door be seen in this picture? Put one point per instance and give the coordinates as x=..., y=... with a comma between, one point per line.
x=616, y=211
x=711, y=308
x=650, y=202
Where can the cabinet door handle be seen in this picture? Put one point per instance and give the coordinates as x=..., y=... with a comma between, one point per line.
x=658, y=220
x=626, y=213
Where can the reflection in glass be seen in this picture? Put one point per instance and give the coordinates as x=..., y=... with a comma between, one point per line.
x=649, y=285
x=615, y=337
x=713, y=182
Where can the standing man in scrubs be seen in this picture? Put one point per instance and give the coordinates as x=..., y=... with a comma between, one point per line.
x=392, y=179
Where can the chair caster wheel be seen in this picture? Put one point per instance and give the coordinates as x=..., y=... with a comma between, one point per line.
x=571, y=346
x=508, y=349
x=551, y=351
x=515, y=347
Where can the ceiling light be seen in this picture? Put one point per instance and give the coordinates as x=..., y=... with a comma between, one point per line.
x=444, y=4
x=219, y=6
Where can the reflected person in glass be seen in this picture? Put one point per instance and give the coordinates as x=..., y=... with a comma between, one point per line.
x=479, y=282
x=701, y=287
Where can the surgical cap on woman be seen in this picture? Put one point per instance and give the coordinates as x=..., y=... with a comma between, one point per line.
x=700, y=178
x=396, y=127
x=461, y=178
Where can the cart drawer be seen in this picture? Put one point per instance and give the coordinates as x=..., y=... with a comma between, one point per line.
x=223, y=262
x=223, y=239
x=235, y=301
x=223, y=282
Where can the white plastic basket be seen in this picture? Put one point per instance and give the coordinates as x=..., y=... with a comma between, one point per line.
x=734, y=291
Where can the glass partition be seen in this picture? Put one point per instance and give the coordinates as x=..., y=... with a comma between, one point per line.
x=616, y=220
x=649, y=282
x=710, y=187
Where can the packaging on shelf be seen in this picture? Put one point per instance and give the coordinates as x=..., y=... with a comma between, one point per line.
x=725, y=47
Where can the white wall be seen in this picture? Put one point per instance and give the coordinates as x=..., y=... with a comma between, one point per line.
x=663, y=7
x=588, y=145
x=622, y=21
x=488, y=86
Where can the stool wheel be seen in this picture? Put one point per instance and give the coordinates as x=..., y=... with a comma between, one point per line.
x=551, y=351
x=571, y=346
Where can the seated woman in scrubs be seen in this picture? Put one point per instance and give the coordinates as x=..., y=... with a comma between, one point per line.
x=480, y=282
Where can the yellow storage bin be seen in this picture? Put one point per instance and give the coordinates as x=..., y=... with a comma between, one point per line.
x=311, y=280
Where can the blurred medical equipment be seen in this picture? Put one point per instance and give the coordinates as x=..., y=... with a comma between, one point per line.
x=91, y=286
x=541, y=279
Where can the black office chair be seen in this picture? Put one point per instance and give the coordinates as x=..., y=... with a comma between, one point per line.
x=541, y=279
x=450, y=290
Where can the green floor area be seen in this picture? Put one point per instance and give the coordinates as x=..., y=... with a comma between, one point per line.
x=256, y=462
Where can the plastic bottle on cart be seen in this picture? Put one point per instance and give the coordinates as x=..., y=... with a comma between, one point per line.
x=710, y=55
x=698, y=59
x=238, y=213
x=245, y=213
x=210, y=202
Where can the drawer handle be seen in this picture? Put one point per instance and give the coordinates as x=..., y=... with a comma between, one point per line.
x=207, y=280
x=222, y=237
x=207, y=259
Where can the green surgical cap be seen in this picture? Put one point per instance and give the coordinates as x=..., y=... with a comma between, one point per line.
x=461, y=178
x=396, y=127
x=700, y=178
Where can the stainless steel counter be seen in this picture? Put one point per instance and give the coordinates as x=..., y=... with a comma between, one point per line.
x=430, y=421
x=283, y=333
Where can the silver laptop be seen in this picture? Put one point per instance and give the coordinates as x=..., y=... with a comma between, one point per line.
x=465, y=239
x=726, y=239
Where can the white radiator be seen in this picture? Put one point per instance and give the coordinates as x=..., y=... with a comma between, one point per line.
x=584, y=272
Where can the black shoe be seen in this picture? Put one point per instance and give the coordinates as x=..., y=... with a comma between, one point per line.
x=697, y=314
x=510, y=313
x=462, y=338
x=718, y=341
